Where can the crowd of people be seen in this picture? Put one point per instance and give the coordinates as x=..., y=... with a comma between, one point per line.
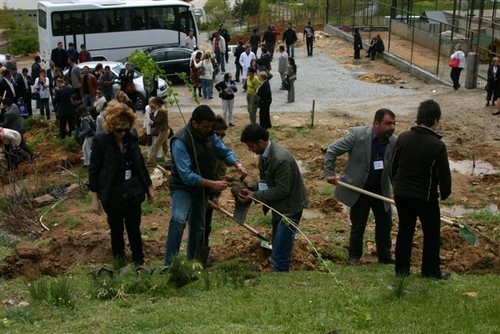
x=104, y=125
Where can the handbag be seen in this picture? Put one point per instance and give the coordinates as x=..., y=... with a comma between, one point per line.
x=201, y=70
x=23, y=108
x=286, y=83
x=130, y=88
x=155, y=131
x=35, y=95
x=454, y=62
x=143, y=139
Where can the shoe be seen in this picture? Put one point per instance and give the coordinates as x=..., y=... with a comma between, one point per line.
x=354, y=261
x=387, y=261
x=496, y=113
x=443, y=275
x=231, y=124
x=487, y=103
x=211, y=97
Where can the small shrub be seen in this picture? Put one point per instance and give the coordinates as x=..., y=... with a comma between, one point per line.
x=57, y=292
x=69, y=144
x=183, y=271
x=8, y=240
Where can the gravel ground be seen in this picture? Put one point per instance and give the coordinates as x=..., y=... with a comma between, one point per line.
x=334, y=87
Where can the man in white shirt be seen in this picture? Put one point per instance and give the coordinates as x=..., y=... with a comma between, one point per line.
x=245, y=60
x=190, y=41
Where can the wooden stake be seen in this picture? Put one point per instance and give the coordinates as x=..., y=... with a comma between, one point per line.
x=312, y=114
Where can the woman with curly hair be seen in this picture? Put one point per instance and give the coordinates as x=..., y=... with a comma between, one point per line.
x=119, y=181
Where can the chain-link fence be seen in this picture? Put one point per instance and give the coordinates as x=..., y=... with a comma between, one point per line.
x=421, y=32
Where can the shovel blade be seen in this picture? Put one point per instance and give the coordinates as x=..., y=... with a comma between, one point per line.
x=468, y=234
x=240, y=212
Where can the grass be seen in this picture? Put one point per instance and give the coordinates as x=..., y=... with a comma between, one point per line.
x=298, y=302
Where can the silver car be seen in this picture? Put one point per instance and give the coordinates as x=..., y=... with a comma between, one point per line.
x=115, y=67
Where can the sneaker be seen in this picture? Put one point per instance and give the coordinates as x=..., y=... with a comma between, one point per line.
x=231, y=124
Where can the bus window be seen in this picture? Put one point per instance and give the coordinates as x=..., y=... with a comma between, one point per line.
x=96, y=21
x=42, y=19
x=72, y=23
x=137, y=18
x=185, y=20
x=155, y=18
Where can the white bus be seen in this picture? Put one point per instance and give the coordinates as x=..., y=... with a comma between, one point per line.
x=112, y=29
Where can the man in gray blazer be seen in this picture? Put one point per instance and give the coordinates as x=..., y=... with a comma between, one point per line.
x=281, y=187
x=369, y=150
x=74, y=74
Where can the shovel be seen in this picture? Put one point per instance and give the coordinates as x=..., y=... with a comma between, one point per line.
x=264, y=242
x=466, y=232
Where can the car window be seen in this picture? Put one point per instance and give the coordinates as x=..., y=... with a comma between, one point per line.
x=179, y=55
x=158, y=56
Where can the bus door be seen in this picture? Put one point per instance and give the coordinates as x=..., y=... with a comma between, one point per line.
x=73, y=29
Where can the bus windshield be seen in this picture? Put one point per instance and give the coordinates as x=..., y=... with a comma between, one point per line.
x=112, y=30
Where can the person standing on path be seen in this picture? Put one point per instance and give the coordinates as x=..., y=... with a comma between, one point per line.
x=308, y=36
x=195, y=149
x=269, y=40
x=219, y=50
x=419, y=166
x=282, y=63
x=252, y=83
x=289, y=38
x=265, y=99
x=369, y=149
x=254, y=41
x=281, y=187
x=358, y=44
x=226, y=89
x=159, y=128
x=291, y=74
x=206, y=71
x=245, y=62
x=455, y=71
x=238, y=51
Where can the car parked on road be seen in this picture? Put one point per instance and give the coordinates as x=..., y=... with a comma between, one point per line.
x=171, y=59
x=141, y=101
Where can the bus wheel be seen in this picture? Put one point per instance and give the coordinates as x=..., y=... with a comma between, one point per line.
x=140, y=102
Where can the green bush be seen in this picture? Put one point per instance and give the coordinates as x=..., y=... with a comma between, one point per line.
x=56, y=292
x=24, y=44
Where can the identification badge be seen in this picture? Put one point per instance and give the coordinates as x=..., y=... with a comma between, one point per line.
x=262, y=186
x=377, y=165
x=128, y=174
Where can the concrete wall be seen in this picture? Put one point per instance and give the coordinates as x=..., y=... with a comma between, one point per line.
x=426, y=36
x=396, y=61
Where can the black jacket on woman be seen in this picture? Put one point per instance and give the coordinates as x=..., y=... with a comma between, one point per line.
x=107, y=165
x=265, y=99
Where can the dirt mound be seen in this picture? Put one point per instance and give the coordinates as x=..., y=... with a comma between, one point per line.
x=381, y=78
x=63, y=253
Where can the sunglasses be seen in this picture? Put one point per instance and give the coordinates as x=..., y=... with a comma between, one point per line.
x=121, y=130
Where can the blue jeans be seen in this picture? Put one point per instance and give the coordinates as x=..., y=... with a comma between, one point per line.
x=219, y=56
x=283, y=239
x=206, y=86
x=187, y=208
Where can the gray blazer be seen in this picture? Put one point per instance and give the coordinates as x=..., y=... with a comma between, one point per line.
x=286, y=192
x=359, y=145
x=75, y=77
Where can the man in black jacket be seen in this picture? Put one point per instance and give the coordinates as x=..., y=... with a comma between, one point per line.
x=419, y=166
x=289, y=38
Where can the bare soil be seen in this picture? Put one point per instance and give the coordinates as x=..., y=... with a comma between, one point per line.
x=469, y=129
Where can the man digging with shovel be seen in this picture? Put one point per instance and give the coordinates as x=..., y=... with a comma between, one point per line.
x=369, y=149
x=281, y=188
x=195, y=149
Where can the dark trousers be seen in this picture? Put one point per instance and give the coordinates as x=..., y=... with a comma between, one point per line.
x=428, y=213
x=383, y=224
x=455, y=76
x=239, y=69
x=264, y=115
x=66, y=125
x=309, y=45
x=126, y=213
x=357, y=53
x=492, y=92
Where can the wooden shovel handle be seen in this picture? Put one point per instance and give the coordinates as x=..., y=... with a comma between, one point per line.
x=385, y=199
x=229, y=214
